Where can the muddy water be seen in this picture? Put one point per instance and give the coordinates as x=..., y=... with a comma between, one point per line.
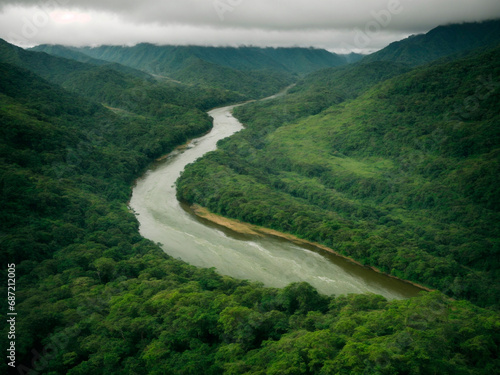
x=270, y=260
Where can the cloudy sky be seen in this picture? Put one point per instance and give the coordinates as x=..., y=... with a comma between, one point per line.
x=337, y=25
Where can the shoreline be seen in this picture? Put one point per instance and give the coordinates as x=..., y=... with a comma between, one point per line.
x=251, y=229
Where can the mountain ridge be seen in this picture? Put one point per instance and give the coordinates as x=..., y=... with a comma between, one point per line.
x=169, y=58
x=440, y=42
x=187, y=68
x=116, y=85
x=352, y=151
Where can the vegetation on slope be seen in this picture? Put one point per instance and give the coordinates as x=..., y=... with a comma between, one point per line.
x=56, y=146
x=121, y=87
x=93, y=297
x=404, y=177
x=442, y=41
x=173, y=64
x=249, y=71
x=248, y=84
x=169, y=59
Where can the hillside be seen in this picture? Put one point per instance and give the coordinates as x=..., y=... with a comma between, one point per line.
x=192, y=71
x=249, y=84
x=121, y=87
x=71, y=54
x=53, y=137
x=321, y=89
x=440, y=42
x=97, y=298
x=354, y=150
x=401, y=175
x=169, y=59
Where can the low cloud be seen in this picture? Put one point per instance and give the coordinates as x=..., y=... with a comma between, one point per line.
x=332, y=24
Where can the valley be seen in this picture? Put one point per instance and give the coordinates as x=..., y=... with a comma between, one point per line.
x=391, y=160
x=371, y=176
x=249, y=255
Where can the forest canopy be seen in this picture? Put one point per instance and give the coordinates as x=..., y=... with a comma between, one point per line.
x=94, y=297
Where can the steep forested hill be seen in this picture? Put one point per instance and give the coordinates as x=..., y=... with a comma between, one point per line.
x=118, y=86
x=321, y=89
x=94, y=297
x=440, y=42
x=403, y=177
x=70, y=53
x=55, y=143
x=169, y=59
x=169, y=68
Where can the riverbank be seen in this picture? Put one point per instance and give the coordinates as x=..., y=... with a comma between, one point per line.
x=251, y=229
x=265, y=256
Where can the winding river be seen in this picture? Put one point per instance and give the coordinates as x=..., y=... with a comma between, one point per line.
x=273, y=261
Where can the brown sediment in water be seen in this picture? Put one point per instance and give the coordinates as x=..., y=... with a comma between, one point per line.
x=246, y=228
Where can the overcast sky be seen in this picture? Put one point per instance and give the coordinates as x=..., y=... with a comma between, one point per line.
x=337, y=25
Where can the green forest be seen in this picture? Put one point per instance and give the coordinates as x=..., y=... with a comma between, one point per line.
x=393, y=165
x=403, y=177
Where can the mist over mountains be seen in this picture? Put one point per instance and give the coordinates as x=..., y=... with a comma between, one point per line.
x=390, y=159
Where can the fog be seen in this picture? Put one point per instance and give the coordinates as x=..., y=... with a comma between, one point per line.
x=357, y=25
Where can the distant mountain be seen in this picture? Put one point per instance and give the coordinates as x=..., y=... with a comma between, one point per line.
x=62, y=64
x=249, y=71
x=256, y=83
x=54, y=69
x=123, y=87
x=104, y=83
x=170, y=59
x=440, y=42
x=69, y=53
x=185, y=66
x=330, y=86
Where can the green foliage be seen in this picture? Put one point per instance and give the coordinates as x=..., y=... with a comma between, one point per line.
x=401, y=175
x=93, y=297
x=167, y=60
x=208, y=83
x=255, y=83
x=125, y=89
x=58, y=151
x=443, y=41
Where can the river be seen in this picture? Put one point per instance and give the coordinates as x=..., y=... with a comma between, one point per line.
x=273, y=261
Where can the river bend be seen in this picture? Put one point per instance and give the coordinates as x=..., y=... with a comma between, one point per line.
x=272, y=261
